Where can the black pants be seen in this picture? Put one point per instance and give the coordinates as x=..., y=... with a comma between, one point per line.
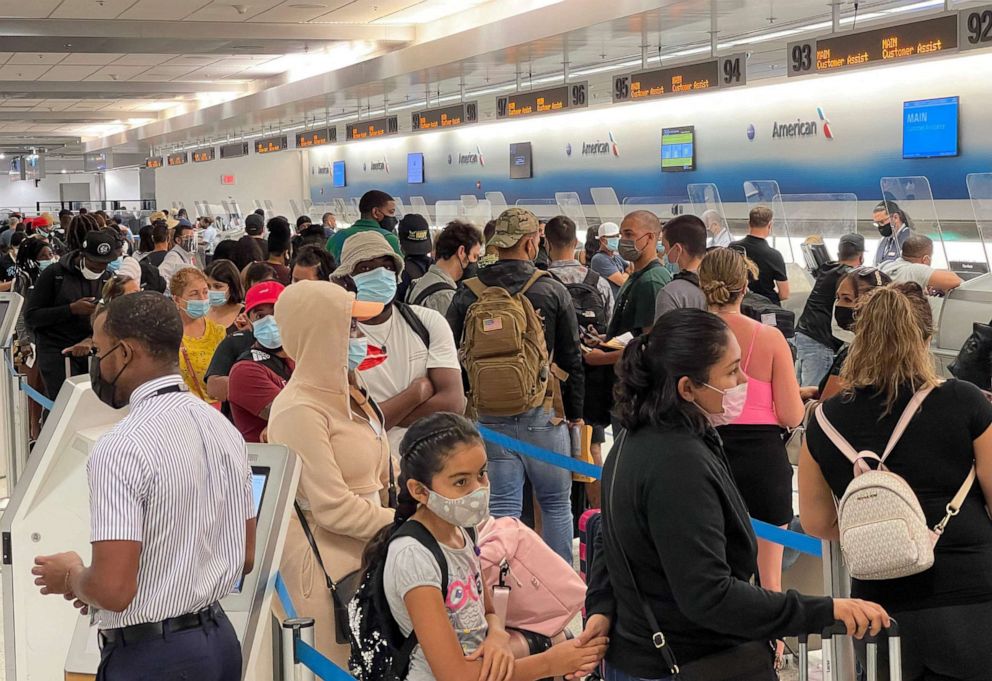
x=208, y=653
x=941, y=644
x=52, y=367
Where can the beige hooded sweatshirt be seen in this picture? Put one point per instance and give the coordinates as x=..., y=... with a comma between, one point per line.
x=345, y=459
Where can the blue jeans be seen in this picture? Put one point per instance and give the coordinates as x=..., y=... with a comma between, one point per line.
x=813, y=360
x=552, y=485
x=611, y=673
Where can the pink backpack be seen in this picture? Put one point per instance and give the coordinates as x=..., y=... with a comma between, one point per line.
x=533, y=588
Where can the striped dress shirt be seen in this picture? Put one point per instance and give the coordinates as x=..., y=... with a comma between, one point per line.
x=173, y=474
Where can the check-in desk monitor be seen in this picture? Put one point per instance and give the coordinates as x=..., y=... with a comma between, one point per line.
x=44, y=637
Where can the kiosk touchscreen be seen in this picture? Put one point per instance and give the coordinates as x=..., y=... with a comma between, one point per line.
x=44, y=637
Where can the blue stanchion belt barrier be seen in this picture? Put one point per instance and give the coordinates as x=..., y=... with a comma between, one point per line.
x=792, y=540
x=310, y=657
x=28, y=390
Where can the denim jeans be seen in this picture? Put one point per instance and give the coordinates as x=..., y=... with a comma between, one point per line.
x=611, y=673
x=552, y=485
x=813, y=360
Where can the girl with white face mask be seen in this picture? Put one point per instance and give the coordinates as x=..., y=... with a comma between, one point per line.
x=677, y=539
x=753, y=437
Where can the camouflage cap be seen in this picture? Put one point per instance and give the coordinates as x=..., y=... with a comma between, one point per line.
x=511, y=225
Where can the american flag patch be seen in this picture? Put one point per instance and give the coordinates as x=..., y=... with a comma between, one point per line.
x=492, y=325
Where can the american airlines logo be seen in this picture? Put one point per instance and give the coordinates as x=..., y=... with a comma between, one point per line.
x=379, y=166
x=472, y=159
x=598, y=147
x=801, y=128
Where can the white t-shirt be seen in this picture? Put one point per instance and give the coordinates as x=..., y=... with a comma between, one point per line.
x=406, y=357
x=902, y=271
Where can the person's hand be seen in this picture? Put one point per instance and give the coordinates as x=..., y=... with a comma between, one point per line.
x=241, y=322
x=809, y=392
x=591, y=338
x=861, y=617
x=52, y=572
x=572, y=659
x=80, y=349
x=263, y=437
x=597, y=628
x=84, y=307
x=83, y=608
x=577, y=423
x=497, y=658
x=424, y=387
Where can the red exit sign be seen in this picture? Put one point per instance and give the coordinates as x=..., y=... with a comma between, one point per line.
x=227, y=179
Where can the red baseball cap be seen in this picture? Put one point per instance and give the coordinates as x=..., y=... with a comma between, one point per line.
x=262, y=293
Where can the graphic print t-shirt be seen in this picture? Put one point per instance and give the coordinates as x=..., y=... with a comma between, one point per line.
x=409, y=564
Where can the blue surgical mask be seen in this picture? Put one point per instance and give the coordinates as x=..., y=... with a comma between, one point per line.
x=613, y=243
x=217, y=298
x=357, y=349
x=377, y=286
x=670, y=265
x=115, y=265
x=267, y=334
x=44, y=264
x=197, y=308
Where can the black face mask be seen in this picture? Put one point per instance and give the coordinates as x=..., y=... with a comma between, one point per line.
x=885, y=230
x=844, y=316
x=106, y=391
x=388, y=223
x=471, y=270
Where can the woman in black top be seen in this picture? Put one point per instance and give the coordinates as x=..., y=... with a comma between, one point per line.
x=671, y=505
x=944, y=613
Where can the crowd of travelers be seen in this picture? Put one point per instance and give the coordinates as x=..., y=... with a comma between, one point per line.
x=400, y=363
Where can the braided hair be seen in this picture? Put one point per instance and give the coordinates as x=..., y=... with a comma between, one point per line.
x=423, y=451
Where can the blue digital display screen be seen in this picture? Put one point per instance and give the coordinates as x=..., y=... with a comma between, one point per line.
x=415, y=168
x=930, y=128
x=338, y=174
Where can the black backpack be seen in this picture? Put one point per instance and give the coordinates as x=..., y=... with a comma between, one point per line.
x=761, y=309
x=589, y=307
x=974, y=361
x=379, y=651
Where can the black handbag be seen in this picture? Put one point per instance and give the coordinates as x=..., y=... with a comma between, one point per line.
x=974, y=361
x=746, y=662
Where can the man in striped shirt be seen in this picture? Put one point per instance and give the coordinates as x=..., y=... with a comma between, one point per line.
x=172, y=518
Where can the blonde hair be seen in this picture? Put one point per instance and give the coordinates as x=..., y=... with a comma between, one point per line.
x=890, y=351
x=723, y=275
x=183, y=278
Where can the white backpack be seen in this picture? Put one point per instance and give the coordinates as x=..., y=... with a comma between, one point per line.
x=883, y=532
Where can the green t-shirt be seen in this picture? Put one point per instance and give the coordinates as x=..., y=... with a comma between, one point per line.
x=336, y=242
x=635, y=306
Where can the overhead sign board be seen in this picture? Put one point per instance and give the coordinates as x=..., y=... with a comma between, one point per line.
x=549, y=100
x=370, y=129
x=722, y=72
x=267, y=145
x=154, y=162
x=205, y=154
x=235, y=150
x=316, y=138
x=446, y=117
x=178, y=158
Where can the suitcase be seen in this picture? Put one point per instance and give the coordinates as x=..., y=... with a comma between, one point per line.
x=871, y=661
x=590, y=525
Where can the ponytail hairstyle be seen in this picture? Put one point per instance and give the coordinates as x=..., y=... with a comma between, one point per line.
x=891, y=347
x=724, y=274
x=685, y=342
x=423, y=451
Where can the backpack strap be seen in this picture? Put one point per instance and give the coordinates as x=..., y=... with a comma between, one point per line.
x=428, y=291
x=838, y=440
x=475, y=286
x=415, y=323
x=907, y=415
x=530, y=282
x=592, y=279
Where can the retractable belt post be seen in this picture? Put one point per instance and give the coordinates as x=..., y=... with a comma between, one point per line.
x=295, y=630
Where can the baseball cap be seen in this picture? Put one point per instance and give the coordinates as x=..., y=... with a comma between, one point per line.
x=130, y=269
x=44, y=220
x=511, y=225
x=364, y=246
x=415, y=235
x=608, y=229
x=162, y=215
x=855, y=240
x=266, y=292
x=254, y=223
x=99, y=246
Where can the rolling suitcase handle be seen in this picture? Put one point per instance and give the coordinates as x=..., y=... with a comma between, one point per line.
x=840, y=629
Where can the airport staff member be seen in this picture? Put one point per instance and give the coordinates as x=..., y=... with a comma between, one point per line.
x=172, y=518
x=893, y=226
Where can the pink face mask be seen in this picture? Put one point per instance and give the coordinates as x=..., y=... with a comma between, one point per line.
x=733, y=404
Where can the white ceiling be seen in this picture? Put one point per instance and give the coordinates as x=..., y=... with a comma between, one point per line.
x=109, y=65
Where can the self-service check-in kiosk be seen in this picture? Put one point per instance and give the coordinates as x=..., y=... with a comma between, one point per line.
x=44, y=637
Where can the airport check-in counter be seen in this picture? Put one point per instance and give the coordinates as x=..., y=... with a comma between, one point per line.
x=955, y=315
x=44, y=637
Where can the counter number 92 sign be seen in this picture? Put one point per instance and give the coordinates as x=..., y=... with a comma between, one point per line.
x=975, y=28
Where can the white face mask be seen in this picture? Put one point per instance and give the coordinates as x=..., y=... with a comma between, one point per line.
x=90, y=274
x=466, y=511
x=732, y=403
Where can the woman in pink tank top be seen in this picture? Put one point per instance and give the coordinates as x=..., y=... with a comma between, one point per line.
x=754, y=441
